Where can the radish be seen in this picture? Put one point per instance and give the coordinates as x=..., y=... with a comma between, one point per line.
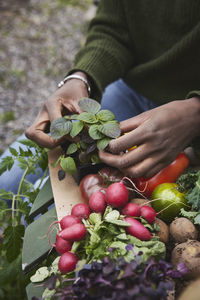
x=131, y=209
x=65, y=222
x=67, y=262
x=62, y=245
x=137, y=229
x=80, y=210
x=68, y=221
x=148, y=213
x=117, y=194
x=73, y=233
x=97, y=202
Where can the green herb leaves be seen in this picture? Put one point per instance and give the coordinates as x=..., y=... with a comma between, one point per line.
x=108, y=231
x=93, y=128
x=89, y=105
x=60, y=127
x=193, y=196
x=68, y=165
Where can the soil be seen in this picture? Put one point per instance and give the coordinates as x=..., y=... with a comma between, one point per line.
x=39, y=40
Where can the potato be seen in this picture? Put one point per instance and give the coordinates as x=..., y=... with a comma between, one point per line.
x=188, y=253
x=141, y=201
x=164, y=231
x=192, y=291
x=182, y=229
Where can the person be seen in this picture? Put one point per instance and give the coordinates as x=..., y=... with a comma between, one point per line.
x=144, y=57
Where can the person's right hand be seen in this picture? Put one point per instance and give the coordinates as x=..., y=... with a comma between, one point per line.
x=64, y=100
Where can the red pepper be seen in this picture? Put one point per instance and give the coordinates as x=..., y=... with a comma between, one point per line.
x=167, y=174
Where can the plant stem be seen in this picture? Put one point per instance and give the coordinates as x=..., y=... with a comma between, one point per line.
x=13, y=210
x=17, y=195
x=22, y=180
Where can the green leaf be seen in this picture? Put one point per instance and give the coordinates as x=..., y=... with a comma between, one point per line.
x=6, y=164
x=95, y=218
x=54, y=267
x=119, y=222
x=72, y=148
x=60, y=127
x=56, y=162
x=197, y=220
x=87, y=118
x=193, y=197
x=188, y=214
x=95, y=159
x=113, y=215
x=48, y=294
x=83, y=145
x=41, y=274
x=110, y=129
x=12, y=241
x=73, y=117
x=28, y=143
x=94, y=238
x=105, y=115
x=95, y=133
x=24, y=207
x=22, y=163
x=91, y=148
x=89, y=105
x=119, y=245
x=122, y=237
x=13, y=151
x=77, y=126
x=103, y=143
x=68, y=165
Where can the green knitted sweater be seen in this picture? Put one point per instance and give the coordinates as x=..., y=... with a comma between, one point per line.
x=154, y=45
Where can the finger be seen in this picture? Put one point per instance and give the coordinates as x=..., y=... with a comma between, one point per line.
x=54, y=108
x=77, y=108
x=125, y=160
x=143, y=168
x=132, y=123
x=133, y=138
x=41, y=138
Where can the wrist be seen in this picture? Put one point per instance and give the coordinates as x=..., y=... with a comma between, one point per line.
x=81, y=79
x=194, y=104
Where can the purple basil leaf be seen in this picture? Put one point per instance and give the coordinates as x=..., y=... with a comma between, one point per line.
x=182, y=268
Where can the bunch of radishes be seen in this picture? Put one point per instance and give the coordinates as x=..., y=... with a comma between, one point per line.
x=72, y=228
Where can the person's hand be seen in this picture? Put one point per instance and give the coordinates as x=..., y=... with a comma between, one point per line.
x=64, y=100
x=160, y=135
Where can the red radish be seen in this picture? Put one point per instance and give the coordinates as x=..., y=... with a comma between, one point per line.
x=148, y=213
x=73, y=233
x=68, y=221
x=62, y=245
x=81, y=211
x=117, y=194
x=131, y=209
x=67, y=262
x=137, y=229
x=97, y=202
x=65, y=222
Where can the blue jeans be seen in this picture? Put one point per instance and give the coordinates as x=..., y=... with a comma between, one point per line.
x=118, y=97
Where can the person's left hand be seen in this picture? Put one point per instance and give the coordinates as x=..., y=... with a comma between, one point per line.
x=160, y=135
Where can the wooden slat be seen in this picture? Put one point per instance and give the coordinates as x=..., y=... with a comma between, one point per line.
x=36, y=245
x=43, y=200
x=34, y=290
x=66, y=192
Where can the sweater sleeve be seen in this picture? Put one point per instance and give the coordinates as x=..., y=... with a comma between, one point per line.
x=195, y=93
x=107, y=54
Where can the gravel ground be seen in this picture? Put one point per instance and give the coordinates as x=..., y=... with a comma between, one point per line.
x=38, y=42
